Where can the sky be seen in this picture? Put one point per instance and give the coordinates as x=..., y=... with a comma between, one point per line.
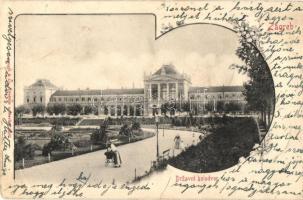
x=114, y=51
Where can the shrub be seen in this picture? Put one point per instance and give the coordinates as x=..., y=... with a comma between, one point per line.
x=23, y=150
x=230, y=140
x=232, y=107
x=125, y=130
x=20, y=110
x=57, y=108
x=58, y=142
x=99, y=136
x=136, y=125
x=74, y=109
x=88, y=110
x=38, y=109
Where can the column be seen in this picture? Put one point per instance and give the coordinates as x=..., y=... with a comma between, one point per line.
x=159, y=88
x=150, y=91
x=177, y=96
x=122, y=109
x=167, y=91
x=128, y=110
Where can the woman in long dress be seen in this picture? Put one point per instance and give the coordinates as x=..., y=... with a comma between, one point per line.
x=117, y=157
x=177, y=141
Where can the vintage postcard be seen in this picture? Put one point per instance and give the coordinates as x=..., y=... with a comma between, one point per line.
x=151, y=99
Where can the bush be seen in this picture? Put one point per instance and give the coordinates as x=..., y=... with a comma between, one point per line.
x=57, y=108
x=20, y=110
x=23, y=150
x=89, y=110
x=232, y=107
x=47, y=149
x=230, y=140
x=38, y=109
x=58, y=142
x=99, y=136
x=74, y=109
x=136, y=126
x=125, y=130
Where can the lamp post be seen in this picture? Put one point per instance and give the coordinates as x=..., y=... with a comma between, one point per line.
x=157, y=126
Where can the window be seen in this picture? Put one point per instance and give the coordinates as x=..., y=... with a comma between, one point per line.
x=59, y=99
x=34, y=99
x=40, y=99
x=27, y=100
x=77, y=99
x=89, y=99
x=95, y=99
x=83, y=99
x=71, y=99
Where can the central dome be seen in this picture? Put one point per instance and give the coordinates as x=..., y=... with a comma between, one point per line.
x=166, y=70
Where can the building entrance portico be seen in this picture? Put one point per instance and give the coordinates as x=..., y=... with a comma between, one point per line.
x=165, y=85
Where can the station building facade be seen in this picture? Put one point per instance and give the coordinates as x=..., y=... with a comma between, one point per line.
x=163, y=86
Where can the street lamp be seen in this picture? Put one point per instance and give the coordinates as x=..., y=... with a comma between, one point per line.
x=157, y=126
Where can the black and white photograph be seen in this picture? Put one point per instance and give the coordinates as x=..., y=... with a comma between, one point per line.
x=199, y=98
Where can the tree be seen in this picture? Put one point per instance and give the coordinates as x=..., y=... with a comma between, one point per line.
x=74, y=109
x=99, y=136
x=164, y=108
x=58, y=142
x=23, y=150
x=20, y=111
x=172, y=108
x=105, y=110
x=136, y=126
x=38, y=109
x=56, y=109
x=125, y=130
x=220, y=106
x=209, y=106
x=186, y=106
x=259, y=90
x=88, y=109
x=232, y=107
